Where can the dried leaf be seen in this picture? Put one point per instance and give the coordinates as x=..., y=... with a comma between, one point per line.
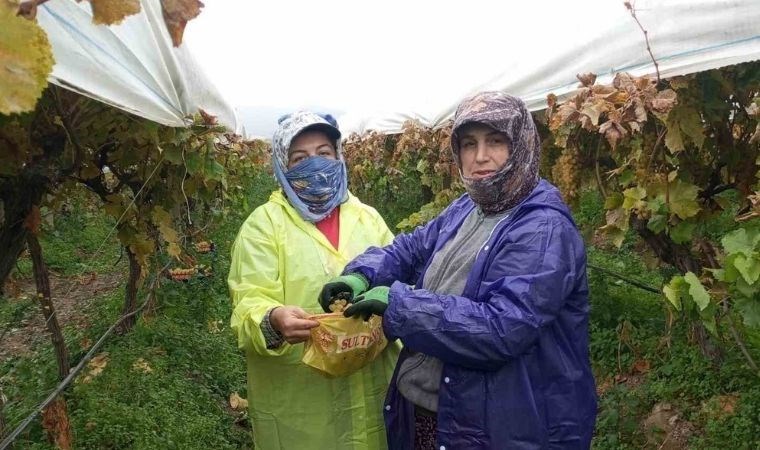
x=664, y=101
x=567, y=113
x=238, y=403
x=613, y=132
x=640, y=112
x=728, y=403
x=176, y=15
x=593, y=111
x=586, y=79
x=617, y=97
x=28, y=10
x=110, y=12
x=208, y=119
x=26, y=60
x=641, y=366
x=142, y=365
x=551, y=100
x=215, y=326
x=96, y=367
x=623, y=81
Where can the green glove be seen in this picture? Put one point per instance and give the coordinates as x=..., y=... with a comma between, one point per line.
x=374, y=301
x=352, y=284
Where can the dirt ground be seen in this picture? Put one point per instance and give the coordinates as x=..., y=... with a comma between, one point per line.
x=71, y=296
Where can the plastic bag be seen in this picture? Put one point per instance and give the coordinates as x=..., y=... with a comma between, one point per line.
x=340, y=346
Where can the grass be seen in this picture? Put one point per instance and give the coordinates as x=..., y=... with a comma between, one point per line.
x=166, y=384
x=70, y=243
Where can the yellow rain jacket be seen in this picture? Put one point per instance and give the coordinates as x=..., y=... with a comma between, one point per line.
x=280, y=259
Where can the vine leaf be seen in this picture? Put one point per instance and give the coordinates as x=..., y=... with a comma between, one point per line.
x=110, y=12
x=26, y=60
x=697, y=291
x=176, y=15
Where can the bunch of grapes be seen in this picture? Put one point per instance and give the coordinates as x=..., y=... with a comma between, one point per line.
x=204, y=247
x=186, y=273
x=566, y=173
x=339, y=302
x=182, y=274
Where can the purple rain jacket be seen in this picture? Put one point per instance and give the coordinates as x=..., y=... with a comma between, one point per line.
x=515, y=350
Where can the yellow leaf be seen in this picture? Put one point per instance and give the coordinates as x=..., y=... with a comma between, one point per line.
x=26, y=60
x=109, y=12
x=96, y=366
x=632, y=198
x=174, y=250
x=163, y=221
x=142, y=246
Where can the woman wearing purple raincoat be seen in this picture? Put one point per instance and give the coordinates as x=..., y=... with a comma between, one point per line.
x=490, y=300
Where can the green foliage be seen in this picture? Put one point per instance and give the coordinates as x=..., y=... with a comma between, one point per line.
x=71, y=240
x=194, y=366
x=673, y=166
x=740, y=430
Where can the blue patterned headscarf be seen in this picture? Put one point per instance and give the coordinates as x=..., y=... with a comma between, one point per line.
x=316, y=185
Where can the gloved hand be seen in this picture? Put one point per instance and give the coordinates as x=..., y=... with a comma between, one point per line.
x=374, y=301
x=352, y=284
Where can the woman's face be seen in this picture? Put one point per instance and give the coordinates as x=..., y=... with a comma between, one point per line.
x=482, y=150
x=310, y=143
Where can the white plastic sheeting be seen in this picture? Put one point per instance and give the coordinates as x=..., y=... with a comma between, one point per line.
x=132, y=66
x=686, y=36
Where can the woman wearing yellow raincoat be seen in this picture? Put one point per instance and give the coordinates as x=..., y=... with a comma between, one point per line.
x=283, y=254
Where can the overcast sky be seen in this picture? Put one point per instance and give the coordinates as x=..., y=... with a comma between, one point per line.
x=349, y=56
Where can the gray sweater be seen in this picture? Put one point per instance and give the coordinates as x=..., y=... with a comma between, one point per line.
x=419, y=376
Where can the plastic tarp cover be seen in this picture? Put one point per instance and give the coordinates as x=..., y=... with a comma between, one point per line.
x=686, y=36
x=132, y=66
